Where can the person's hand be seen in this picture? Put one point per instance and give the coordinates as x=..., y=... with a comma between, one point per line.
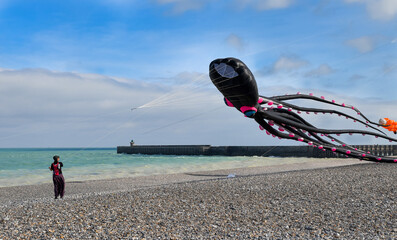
x=49, y=168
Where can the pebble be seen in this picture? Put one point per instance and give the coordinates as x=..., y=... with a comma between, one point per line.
x=351, y=202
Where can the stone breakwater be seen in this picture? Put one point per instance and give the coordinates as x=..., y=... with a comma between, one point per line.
x=264, y=151
x=349, y=202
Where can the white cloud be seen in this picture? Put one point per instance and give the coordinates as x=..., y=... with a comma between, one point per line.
x=362, y=44
x=288, y=64
x=322, y=70
x=42, y=108
x=181, y=6
x=235, y=41
x=382, y=9
x=262, y=5
x=379, y=9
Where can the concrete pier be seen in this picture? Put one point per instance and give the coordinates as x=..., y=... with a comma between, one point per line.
x=265, y=151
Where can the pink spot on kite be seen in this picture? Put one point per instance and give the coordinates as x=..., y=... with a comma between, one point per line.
x=270, y=103
x=304, y=131
x=271, y=123
x=260, y=100
x=333, y=149
x=281, y=129
x=350, y=134
x=354, y=121
x=280, y=106
x=348, y=151
x=343, y=105
x=390, y=141
x=333, y=140
x=344, y=145
x=289, y=109
x=320, y=147
x=267, y=132
x=228, y=103
x=363, y=134
x=355, y=149
x=322, y=134
x=261, y=128
x=352, y=107
x=358, y=113
x=363, y=155
x=308, y=112
x=322, y=97
x=311, y=94
x=299, y=112
x=333, y=101
x=279, y=137
x=395, y=160
x=300, y=139
x=337, y=134
x=376, y=136
x=298, y=93
x=323, y=149
x=310, y=143
x=309, y=134
x=273, y=135
x=315, y=113
x=291, y=135
x=378, y=158
x=248, y=108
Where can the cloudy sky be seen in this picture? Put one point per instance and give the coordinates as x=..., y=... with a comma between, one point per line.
x=71, y=71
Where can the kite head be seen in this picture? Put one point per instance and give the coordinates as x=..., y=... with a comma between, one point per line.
x=237, y=84
x=382, y=121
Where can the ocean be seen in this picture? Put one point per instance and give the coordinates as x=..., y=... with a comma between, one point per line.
x=30, y=166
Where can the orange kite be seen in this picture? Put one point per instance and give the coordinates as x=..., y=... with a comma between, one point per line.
x=389, y=124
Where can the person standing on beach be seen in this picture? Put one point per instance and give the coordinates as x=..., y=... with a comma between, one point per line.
x=57, y=177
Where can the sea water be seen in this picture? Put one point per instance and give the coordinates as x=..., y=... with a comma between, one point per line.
x=30, y=166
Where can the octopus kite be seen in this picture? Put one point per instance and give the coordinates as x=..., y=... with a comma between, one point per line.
x=281, y=119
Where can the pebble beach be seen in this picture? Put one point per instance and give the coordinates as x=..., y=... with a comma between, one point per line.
x=352, y=201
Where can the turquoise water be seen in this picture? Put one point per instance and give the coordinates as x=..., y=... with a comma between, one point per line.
x=30, y=166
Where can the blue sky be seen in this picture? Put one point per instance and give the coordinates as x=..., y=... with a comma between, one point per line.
x=73, y=69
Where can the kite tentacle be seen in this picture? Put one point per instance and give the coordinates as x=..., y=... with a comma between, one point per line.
x=269, y=114
x=322, y=99
x=319, y=110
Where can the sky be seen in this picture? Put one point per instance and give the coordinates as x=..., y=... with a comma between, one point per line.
x=71, y=71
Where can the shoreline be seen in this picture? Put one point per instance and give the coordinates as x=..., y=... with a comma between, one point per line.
x=43, y=192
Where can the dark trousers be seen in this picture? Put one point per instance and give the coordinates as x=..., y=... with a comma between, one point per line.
x=59, y=185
